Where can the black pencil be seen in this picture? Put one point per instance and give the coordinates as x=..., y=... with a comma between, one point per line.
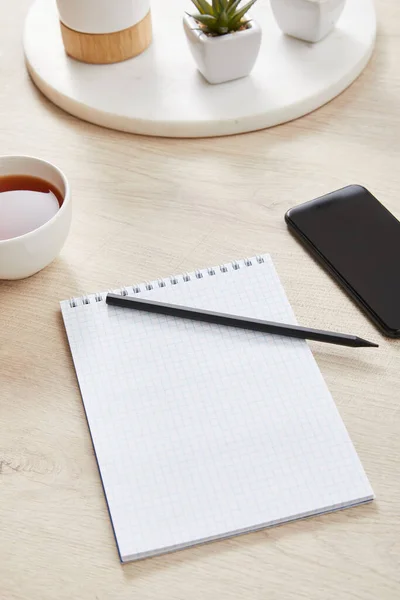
x=329, y=337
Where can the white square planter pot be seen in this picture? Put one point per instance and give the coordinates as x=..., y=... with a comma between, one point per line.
x=226, y=57
x=308, y=20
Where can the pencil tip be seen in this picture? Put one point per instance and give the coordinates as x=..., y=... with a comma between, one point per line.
x=367, y=344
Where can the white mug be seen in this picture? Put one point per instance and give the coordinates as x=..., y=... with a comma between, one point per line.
x=102, y=16
x=27, y=254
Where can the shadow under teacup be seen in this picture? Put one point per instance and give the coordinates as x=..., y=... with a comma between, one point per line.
x=35, y=215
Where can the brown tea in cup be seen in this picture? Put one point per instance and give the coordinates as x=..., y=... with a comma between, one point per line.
x=26, y=203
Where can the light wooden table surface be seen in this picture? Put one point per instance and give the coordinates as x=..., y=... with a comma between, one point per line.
x=144, y=208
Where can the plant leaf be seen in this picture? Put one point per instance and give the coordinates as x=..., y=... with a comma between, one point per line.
x=216, y=7
x=232, y=6
x=222, y=16
x=240, y=13
x=223, y=22
x=206, y=6
x=209, y=21
x=197, y=5
x=203, y=7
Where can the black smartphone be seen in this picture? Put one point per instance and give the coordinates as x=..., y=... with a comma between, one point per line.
x=358, y=240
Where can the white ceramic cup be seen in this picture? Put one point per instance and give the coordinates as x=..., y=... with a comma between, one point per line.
x=27, y=254
x=102, y=16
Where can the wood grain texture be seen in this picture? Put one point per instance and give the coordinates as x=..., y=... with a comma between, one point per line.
x=144, y=208
x=106, y=48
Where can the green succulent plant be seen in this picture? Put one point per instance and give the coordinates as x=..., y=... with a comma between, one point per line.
x=221, y=16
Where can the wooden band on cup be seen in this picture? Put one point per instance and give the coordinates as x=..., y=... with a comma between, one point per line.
x=105, y=48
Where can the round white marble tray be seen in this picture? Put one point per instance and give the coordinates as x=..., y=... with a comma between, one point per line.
x=161, y=93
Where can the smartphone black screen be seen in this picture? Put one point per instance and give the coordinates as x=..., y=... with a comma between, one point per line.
x=358, y=240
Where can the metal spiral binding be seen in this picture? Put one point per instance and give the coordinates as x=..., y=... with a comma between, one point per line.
x=160, y=283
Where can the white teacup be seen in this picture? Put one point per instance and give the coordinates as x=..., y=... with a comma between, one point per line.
x=27, y=254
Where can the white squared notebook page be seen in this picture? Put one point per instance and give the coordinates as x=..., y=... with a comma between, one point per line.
x=203, y=431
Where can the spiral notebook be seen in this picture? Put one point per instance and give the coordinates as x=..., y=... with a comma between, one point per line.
x=203, y=431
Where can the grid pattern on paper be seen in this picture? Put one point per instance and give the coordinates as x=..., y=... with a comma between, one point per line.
x=201, y=430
